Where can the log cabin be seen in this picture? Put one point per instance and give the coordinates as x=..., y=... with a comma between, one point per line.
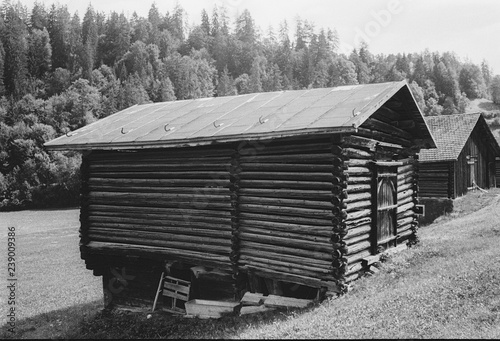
x=290, y=193
x=463, y=160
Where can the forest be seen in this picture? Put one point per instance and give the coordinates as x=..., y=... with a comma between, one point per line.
x=59, y=72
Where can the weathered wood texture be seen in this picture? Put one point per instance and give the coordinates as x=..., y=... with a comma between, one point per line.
x=172, y=199
x=381, y=138
x=436, y=179
x=289, y=196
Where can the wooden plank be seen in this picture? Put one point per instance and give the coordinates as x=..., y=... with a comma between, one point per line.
x=286, y=302
x=254, y=299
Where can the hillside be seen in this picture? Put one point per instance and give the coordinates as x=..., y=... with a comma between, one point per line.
x=491, y=113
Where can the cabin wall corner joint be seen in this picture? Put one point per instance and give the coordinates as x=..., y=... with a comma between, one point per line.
x=339, y=229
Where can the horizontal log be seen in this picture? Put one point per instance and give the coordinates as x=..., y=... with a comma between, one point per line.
x=359, y=184
x=178, y=197
x=287, y=269
x=178, y=246
x=184, y=183
x=287, y=193
x=354, y=268
x=160, y=166
x=405, y=227
x=351, y=241
x=404, y=201
x=383, y=137
x=196, y=256
x=405, y=169
x=358, y=222
x=292, y=278
x=285, y=219
x=265, y=232
x=249, y=252
x=286, y=265
x=188, y=227
x=288, y=211
x=158, y=189
x=285, y=167
x=358, y=214
x=360, y=142
x=403, y=195
x=405, y=187
x=285, y=250
x=405, y=214
x=288, y=242
x=373, y=123
x=356, y=153
x=263, y=184
x=404, y=221
x=294, y=176
x=359, y=230
x=185, y=212
x=324, y=158
x=358, y=162
x=352, y=277
x=405, y=234
x=186, y=205
x=290, y=147
x=357, y=196
x=358, y=205
x=163, y=175
x=364, y=171
x=358, y=247
x=300, y=229
x=406, y=207
x=161, y=218
x=357, y=256
x=172, y=239
x=283, y=234
x=310, y=204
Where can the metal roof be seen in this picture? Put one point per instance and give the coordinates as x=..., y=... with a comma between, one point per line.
x=232, y=118
x=451, y=133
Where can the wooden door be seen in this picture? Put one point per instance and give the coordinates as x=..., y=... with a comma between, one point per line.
x=386, y=209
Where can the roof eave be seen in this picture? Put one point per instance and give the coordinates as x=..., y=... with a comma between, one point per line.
x=198, y=142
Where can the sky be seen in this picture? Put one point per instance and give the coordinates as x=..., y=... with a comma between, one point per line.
x=470, y=28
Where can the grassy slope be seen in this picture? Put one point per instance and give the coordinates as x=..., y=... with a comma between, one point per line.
x=49, y=270
x=446, y=287
x=491, y=111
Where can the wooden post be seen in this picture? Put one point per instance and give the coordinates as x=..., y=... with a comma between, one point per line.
x=158, y=291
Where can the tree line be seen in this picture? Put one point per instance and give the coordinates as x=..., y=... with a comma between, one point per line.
x=59, y=72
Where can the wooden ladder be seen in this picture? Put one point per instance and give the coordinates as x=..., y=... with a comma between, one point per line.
x=175, y=290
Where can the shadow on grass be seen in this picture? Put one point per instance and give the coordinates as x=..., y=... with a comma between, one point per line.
x=91, y=321
x=56, y=324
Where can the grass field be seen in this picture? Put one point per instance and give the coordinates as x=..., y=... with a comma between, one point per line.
x=50, y=274
x=446, y=287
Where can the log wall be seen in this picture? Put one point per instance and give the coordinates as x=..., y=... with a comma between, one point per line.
x=290, y=204
x=378, y=139
x=437, y=179
x=174, y=205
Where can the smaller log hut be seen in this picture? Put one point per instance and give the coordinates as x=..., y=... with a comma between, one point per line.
x=289, y=193
x=464, y=157
x=463, y=160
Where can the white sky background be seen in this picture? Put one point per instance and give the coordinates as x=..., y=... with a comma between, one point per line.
x=470, y=28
